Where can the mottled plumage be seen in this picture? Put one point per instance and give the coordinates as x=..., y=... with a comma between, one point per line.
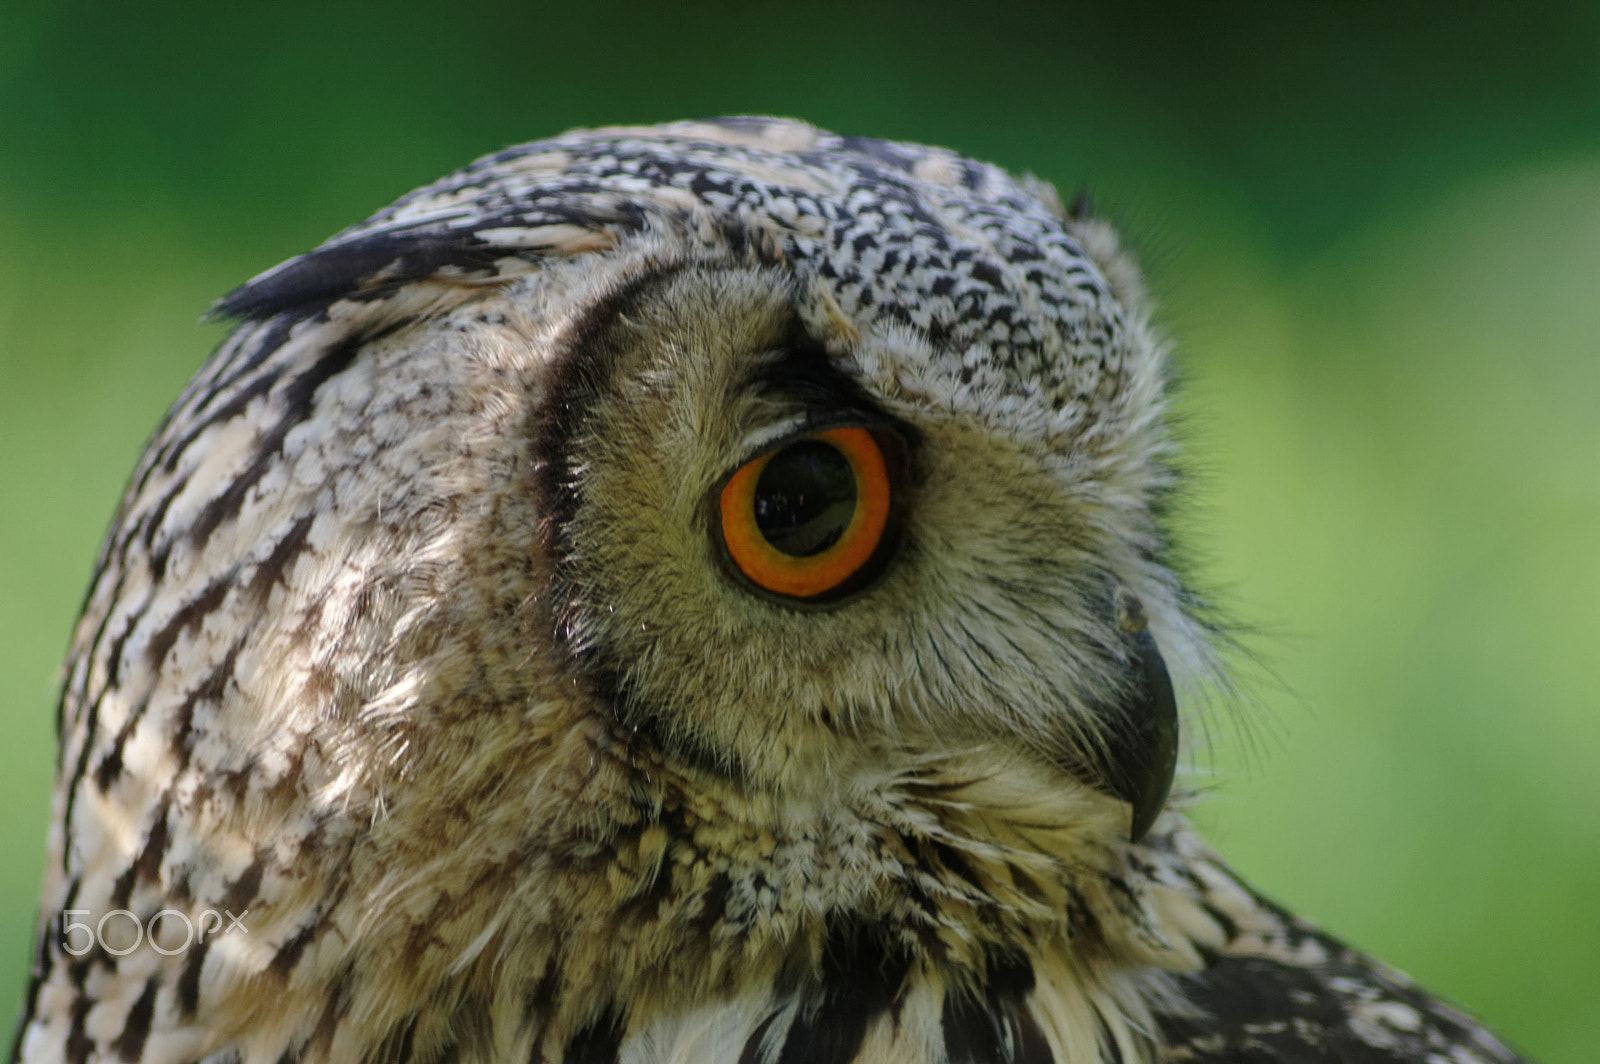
x=419, y=645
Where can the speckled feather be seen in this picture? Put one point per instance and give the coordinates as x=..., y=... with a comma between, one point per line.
x=407, y=649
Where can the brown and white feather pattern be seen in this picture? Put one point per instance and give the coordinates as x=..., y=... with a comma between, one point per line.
x=399, y=652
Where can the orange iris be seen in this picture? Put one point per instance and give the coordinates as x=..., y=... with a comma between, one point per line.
x=806, y=503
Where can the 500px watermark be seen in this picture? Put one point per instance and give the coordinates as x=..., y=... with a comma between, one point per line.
x=128, y=933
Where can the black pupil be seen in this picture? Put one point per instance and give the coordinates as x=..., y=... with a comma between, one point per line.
x=804, y=498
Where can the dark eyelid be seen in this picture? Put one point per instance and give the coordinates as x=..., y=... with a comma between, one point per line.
x=804, y=375
x=801, y=370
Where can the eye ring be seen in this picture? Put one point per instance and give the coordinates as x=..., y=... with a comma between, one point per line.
x=829, y=497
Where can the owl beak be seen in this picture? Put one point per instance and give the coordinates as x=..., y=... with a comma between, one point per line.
x=1140, y=751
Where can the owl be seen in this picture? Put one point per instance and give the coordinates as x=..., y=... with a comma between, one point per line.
x=696, y=593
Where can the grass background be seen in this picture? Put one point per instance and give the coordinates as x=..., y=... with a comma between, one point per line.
x=1375, y=230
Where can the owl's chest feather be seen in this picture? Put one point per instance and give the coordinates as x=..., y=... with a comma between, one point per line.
x=900, y=935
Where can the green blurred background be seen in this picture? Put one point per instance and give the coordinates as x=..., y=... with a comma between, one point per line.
x=1375, y=232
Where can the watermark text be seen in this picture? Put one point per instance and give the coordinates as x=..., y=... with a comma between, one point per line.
x=120, y=932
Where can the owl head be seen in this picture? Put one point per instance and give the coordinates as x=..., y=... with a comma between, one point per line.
x=838, y=454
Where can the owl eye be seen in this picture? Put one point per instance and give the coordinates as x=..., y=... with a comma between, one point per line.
x=812, y=519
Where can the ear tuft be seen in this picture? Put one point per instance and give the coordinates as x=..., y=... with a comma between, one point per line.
x=1102, y=244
